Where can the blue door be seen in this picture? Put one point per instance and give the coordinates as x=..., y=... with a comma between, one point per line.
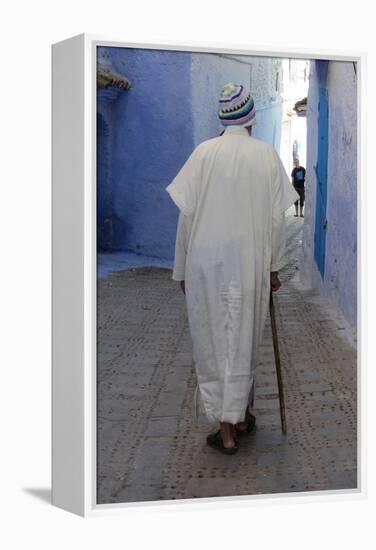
x=322, y=181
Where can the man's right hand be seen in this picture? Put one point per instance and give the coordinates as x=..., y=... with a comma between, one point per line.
x=275, y=283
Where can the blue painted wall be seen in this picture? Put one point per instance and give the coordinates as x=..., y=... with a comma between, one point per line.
x=151, y=129
x=104, y=188
x=145, y=134
x=339, y=283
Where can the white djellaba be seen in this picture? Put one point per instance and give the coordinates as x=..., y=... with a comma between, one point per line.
x=232, y=193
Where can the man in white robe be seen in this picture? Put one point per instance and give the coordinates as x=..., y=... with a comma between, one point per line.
x=232, y=193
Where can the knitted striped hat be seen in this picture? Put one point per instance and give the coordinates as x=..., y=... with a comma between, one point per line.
x=236, y=106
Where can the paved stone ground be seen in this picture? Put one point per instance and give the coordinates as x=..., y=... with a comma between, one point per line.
x=151, y=446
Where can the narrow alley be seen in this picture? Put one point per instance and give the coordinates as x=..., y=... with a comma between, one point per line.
x=150, y=444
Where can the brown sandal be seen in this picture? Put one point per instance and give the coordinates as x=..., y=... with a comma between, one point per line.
x=215, y=440
x=250, y=424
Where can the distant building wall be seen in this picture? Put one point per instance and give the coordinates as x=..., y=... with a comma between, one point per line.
x=339, y=283
x=145, y=135
x=294, y=128
x=266, y=85
x=209, y=72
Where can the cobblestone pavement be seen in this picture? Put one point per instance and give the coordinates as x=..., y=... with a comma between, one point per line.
x=151, y=446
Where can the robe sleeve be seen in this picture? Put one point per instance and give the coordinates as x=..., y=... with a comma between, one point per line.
x=278, y=241
x=184, y=189
x=181, y=246
x=284, y=192
x=284, y=195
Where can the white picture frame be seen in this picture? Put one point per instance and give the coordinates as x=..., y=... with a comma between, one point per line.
x=74, y=272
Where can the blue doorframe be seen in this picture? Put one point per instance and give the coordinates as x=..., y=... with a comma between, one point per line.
x=322, y=180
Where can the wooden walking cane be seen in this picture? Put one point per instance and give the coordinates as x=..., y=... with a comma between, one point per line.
x=277, y=363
